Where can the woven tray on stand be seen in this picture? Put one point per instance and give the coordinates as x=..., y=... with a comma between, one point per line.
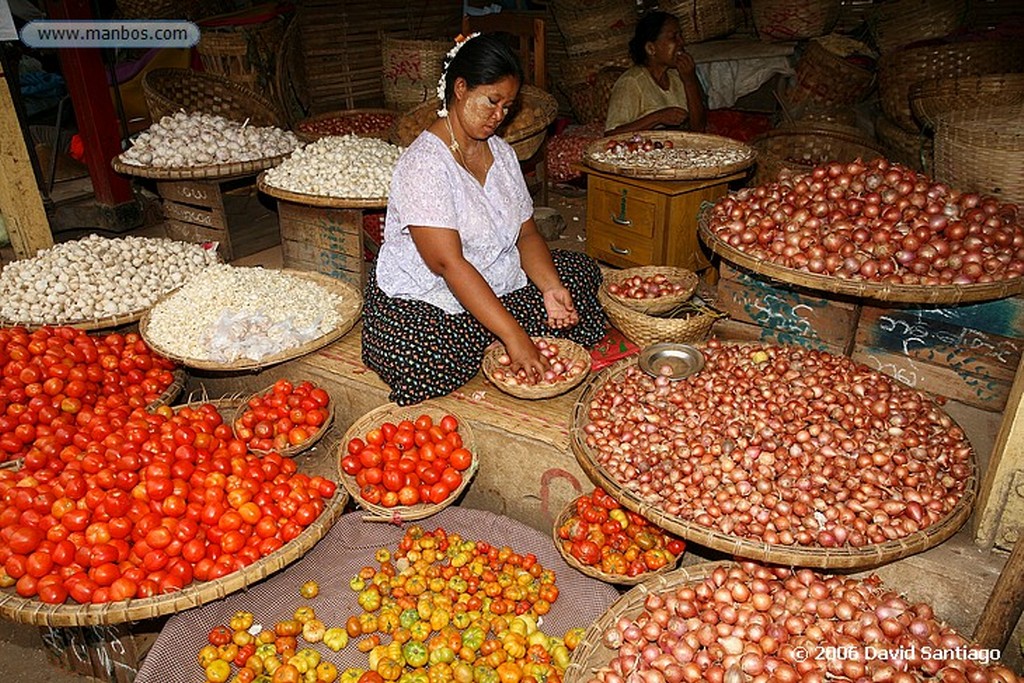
x=348, y=309
x=681, y=140
x=796, y=556
x=982, y=150
x=169, y=91
x=292, y=449
x=800, y=147
x=878, y=291
x=104, y=323
x=394, y=413
x=934, y=97
x=689, y=322
x=567, y=349
x=662, y=304
x=318, y=199
x=306, y=131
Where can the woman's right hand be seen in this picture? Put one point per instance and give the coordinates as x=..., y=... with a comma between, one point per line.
x=673, y=116
x=524, y=355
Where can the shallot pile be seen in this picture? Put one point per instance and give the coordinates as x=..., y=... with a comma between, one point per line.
x=348, y=166
x=185, y=140
x=647, y=287
x=782, y=445
x=562, y=368
x=642, y=152
x=875, y=221
x=752, y=623
x=364, y=124
x=96, y=277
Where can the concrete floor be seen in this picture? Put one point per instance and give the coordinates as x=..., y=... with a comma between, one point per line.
x=956, y=577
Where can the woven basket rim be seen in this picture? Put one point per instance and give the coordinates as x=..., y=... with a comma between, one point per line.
x=319, y=200
x=171, y=393
x=291, y=449
x=309, y=136
x=235, y=169
x=927, y=97
x=392, y=412
x=644, y=329
x=659, y=304
x=797, y=556
x=679, y=139
x=592, y=572
x=538, y=391
x=349, y=309
x=266, y=108
x=879, y=291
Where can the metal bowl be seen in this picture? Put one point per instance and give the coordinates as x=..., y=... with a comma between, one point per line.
x=682, y=359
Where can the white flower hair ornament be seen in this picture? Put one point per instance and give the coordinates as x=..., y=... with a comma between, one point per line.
x=442, y=83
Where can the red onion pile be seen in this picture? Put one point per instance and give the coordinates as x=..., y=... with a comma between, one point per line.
x=562, y=368
x=782, y=445
x=370, y=124
x=753, y=623
x=648, y=287
x=876, y=221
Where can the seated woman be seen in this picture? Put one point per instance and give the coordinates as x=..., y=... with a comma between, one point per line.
x=462, y=262
x=661, y=90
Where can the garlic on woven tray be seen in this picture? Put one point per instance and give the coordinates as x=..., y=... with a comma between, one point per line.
x=232, y=312
x=643, y=152
x=96, y=277
x=347, y=166
x=184, y=140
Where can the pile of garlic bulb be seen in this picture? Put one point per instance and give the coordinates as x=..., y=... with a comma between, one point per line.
x=185, y=140
x=346, y=166
x=233, y=312
x=97, y=277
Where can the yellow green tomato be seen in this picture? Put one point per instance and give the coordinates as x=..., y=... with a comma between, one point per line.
x=463, y=672
x=369, y=600
x=440, y=672
x=336, y=638
x=218, y=671
x=442, y=655
x=326, y=672
x=461, y=620
x=473, y=638
x=484, y=674
x=420, y=631
x=560, y=656
x=357, y=583
x=415, y=653
x=408, y=618
x=351, y=675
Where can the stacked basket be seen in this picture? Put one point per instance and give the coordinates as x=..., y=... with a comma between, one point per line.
x=410, y=70
x=982, y=150
x=903, y=22
x=832, y=73
x=168, y=91
x=798, y=148
x=793, y=19
x=702, y=20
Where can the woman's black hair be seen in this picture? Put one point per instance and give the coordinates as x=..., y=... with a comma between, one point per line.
x=647, y=31
x=483, y=60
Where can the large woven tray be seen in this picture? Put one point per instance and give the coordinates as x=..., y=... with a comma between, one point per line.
x=318, y=199
x=234, y=169
x=796, y=556
x=349, y=309
x=92, y=325
x=301, y=132
x=680, y=140
x=879, y=291
x=29, y=611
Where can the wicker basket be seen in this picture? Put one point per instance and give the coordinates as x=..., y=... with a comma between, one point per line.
x=171, y=393
x=793, y=19
x=171, y=9
x=661, y=304
x=931, y=98
x=246, y=54
x=824, y=77
x=702, y=20
x=568, y=349
x=982, y=150
x=306, y=130
x=681, y=140
x=589, y=99
x=292, y=88
x=581, y=22
x=594, y=572
x=292, y=449
x=910, y=149
x=799, y=148
x=690, y=323
x=393, y=413
x=410, y=70
x=898, y=71
x=902, y=22
x=168, y=91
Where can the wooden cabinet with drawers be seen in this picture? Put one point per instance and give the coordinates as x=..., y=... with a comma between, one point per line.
x=635, y=222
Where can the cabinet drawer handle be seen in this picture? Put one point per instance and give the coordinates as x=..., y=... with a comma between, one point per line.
x=621, y=221
x=621, y=252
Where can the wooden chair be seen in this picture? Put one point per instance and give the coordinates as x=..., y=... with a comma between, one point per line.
x=526, y=30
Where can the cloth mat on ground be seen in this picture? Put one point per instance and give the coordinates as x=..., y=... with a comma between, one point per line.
x=345, y=549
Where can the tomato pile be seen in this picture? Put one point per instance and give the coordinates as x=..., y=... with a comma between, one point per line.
x=646, y=287
x=136, y=504
x=49, y=375
x=415, y=461
x=604, y=535
x=561, y=368
x=355, y=123
x=286, y=415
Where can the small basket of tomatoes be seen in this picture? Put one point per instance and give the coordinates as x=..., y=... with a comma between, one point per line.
x=569, y=365
x=650, y=289
x=407, y=463
x=285, y=418
x=600, y=538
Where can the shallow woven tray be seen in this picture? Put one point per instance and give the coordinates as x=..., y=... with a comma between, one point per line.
x=293, y=449
x=566, y=348
x=391, y=412
x=349, y=309
x=594, y=572
x=319, y=199
x=661, y=304
x=796, y=556
x=234, y=169
x=28, y=611
x=309, y=136
x=879, y=291
x=644, y=329
x=591, y=654
x=679, y=139
x=106, y=323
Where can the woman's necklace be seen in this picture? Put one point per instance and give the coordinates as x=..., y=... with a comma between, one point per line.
x=455, y=148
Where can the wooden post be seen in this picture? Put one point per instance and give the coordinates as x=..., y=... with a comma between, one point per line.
x=999, y=515
x=1005, y=604
x=21, y=205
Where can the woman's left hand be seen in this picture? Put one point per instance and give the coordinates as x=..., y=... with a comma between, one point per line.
x=561, y=311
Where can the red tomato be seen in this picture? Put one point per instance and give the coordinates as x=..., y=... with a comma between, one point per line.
x=449, y=424
x=393, y=479
x=460, y=459
x=409, y=495
x=439, y=493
